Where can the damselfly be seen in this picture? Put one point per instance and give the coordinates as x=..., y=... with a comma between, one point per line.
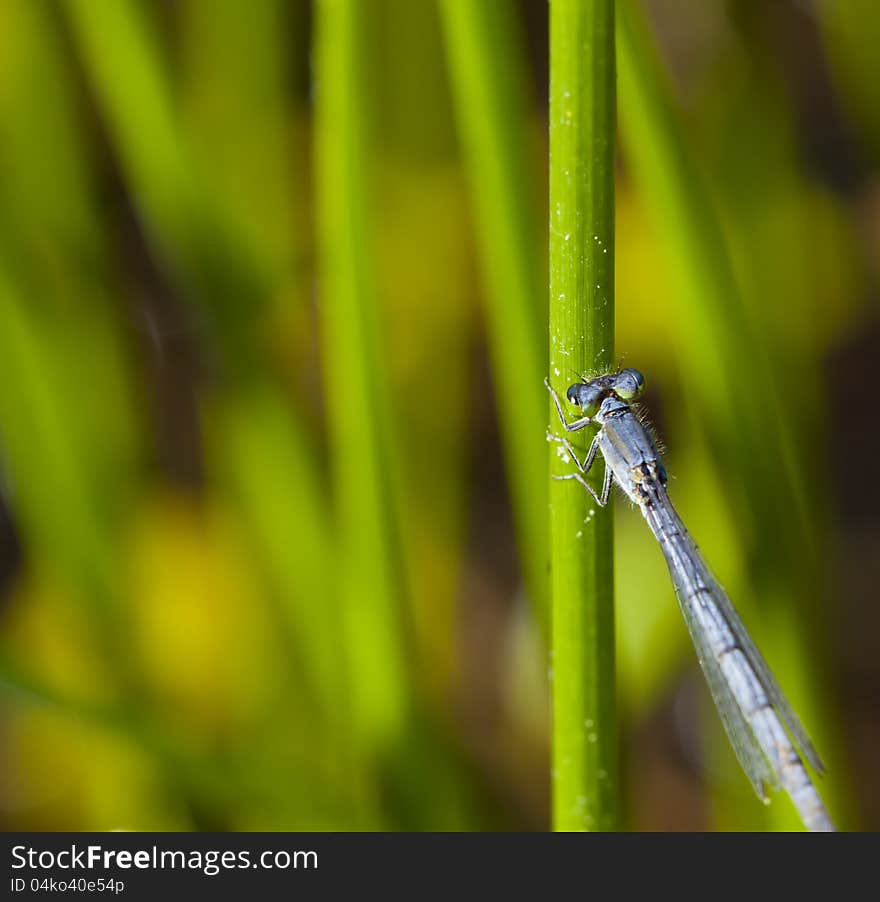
x=764, y=730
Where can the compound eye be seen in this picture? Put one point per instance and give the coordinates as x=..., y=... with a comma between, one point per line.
x=629, y=384
x=587, y=397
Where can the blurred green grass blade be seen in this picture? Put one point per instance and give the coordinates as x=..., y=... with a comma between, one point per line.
x=582, y=140
x=237, y=114
x=44, y=473
x=236, y=108
x=131, y=83
x=408, y=39
x=191, y=217
x=48, y=483
x=489, y=77
x=714, y=328
x=262, y=455
x=56, y=254
x=368, y=568
x=45, y=194
x=725, y=360
x=425, y=272
x=203, y=248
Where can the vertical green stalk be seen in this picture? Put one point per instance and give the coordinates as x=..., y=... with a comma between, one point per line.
x=582, y=125
x=368, y=565
x=487, y=64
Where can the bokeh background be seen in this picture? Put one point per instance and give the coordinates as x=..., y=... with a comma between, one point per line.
x=207, y=621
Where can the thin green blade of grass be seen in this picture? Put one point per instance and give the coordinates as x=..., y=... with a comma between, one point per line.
x=55, y=255
x=202, y=246
x=260, y=458
x=236, y=111
x=48, y=479
x=489, y=78
x=727, y=366
x=189, y=230
x=717, y=325
x=582, y=139
x=368, y=566
x=129, y=80
x=46, y=192
x=236, y=63
x=32, y=419
x=425, y=284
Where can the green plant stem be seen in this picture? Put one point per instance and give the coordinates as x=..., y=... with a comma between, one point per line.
x=582, y=126
x=487, y=64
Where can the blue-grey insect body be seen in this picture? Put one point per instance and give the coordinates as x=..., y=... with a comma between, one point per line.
x=764, y=730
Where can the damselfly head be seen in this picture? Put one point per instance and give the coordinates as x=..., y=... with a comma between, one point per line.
x=627, y=385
